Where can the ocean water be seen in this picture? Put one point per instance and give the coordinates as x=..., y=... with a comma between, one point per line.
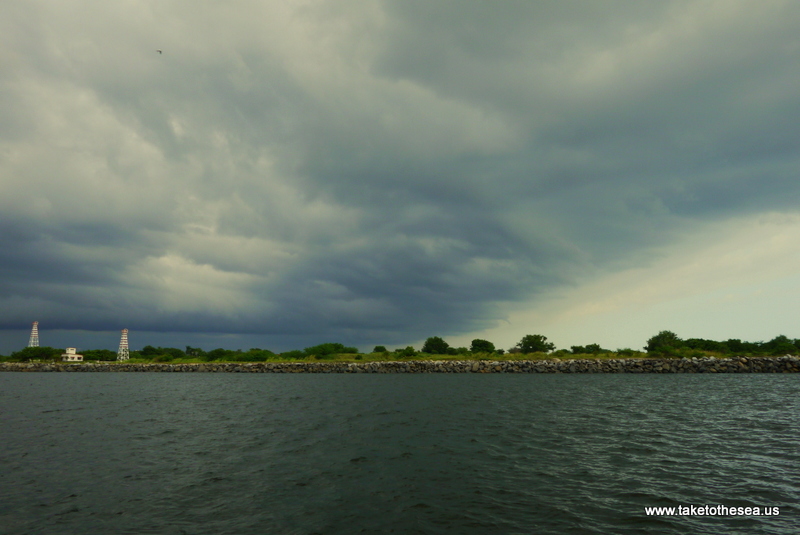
x=135, y=453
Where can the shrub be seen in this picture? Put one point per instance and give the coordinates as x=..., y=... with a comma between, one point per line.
x=256, y=355
x=194, y=351
x=329, y=348
x=152, y=352
x=481, y=346
x=664, y=342
x=780, y=345
x=735, y=345
x=409, y=351
x=36, y=353
x=219, y=354
x=706, y=345
x=435, y=346
x=99, y=354
x=380, y=349
x=149, y=351
x=295, y=354
x=591, y=349
x=535, y=343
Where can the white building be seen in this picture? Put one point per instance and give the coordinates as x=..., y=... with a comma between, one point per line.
x=71, y=355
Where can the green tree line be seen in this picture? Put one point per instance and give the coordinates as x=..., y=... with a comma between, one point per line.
x=665, y=343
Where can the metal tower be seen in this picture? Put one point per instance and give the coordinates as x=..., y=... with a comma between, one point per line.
x=122, y=352
x=34, y=339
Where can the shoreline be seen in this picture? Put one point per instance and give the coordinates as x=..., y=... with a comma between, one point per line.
x=785, y=364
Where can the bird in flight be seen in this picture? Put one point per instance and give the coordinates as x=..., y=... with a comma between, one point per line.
x=160, y=52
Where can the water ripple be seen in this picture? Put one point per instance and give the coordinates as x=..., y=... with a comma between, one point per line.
x=303, y=454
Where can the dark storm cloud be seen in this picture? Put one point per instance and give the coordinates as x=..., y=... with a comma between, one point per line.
x=371, y=171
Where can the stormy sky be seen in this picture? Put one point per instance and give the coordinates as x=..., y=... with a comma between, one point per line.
x=286, y=173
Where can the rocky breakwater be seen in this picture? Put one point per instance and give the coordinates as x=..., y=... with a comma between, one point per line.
x=785, y=364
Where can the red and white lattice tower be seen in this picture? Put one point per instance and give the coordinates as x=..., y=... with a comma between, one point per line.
x=34, y=339
x=122, y=352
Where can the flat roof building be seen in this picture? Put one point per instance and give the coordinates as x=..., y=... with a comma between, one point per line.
x=71, y=355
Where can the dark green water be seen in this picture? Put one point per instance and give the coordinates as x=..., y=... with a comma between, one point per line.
x=300, y=454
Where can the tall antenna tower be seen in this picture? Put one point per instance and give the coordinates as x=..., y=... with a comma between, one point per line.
x=122, y=352
x=34, y=339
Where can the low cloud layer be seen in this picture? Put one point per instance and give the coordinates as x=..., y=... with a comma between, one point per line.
x=372, y=172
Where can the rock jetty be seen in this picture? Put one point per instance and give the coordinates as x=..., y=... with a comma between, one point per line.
x=785, y=364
